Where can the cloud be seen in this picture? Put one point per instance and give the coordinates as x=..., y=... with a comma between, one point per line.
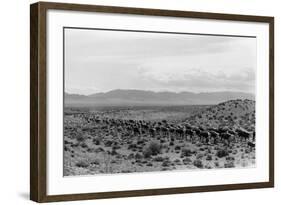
x=107, y=60
x=198, y=80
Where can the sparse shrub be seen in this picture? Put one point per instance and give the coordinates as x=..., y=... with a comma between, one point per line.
x=222, y=153
x=244, y=163
x=82, y=163
x=66, y=148
x=199, y=156
x=187, y=152
x=108, y=143
x=138, y=156
x=113, y=152
x=132, y=146
x=177, y=161
x=119, y=156
x=230, y=158
x=172, y=144
x=116, y=147
x=113, y=161
x=198, y=163
x=96, y=161
x=159, y=159
x=140, y=142
x=90, y=150
x=202, y=149
x=147, y=153
x=84, y=145
x=126, y=171
x=166, y=163
x=209, y=157
x=97, y=141
x=229, y=164
x=153, y=148
x=186, y=160
x=100, y=149
x=177, y=147
x=208, y=166
x=149, y=164
x=131, y=156
x=80, y=138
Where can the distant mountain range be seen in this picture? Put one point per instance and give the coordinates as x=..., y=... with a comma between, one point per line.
x=141, y=97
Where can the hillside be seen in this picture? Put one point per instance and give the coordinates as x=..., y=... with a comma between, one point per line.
x=233, y=113
x=140, y=97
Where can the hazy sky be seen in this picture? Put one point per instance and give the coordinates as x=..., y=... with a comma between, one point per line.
x=99, y=61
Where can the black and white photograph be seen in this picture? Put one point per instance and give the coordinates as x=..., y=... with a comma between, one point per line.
x=146, y=101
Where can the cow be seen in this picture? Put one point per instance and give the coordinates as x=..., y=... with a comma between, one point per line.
x=243, y=134
x=205, y=136
x=214, y=135
x=251, y=145
x=226, y=137
x=190, y=133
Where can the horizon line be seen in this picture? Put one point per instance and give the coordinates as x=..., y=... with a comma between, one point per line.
x=164, y=91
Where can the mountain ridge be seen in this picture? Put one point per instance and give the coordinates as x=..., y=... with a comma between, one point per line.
x=143, y=97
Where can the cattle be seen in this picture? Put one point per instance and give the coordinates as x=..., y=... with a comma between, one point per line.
x=205, y=136
x=214, y=135
x=152, y=132
x=196, y=130
x=136, y=131
x=180, y=131
x=226, y=137
x=164, y=131
x=188, y=126
x=243, y=134
x=251, y=145
x=221, y=130
x=190, y=133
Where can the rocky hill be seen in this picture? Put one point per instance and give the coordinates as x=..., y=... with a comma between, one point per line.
x=232, y=113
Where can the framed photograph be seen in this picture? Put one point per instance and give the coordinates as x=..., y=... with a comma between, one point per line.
x=135, y=102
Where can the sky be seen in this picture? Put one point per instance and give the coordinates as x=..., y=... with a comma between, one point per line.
x=102, y=60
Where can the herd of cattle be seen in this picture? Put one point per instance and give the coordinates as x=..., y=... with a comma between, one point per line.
x=169, y=131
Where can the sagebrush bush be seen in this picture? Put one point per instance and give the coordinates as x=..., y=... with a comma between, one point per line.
x=153, y=148
x=198, y=163
x=138, y=156
x=159, y=159
x=187, y=152
x=80, y=138
x=209, y=157
x=82, y=163
x=229, y=164
x=187, y=160
x=222, y=153
x=147, y=153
